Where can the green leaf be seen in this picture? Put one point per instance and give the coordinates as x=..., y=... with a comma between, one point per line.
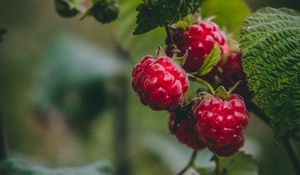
x=155, y=13
x=206, y=171
x=135, y=46
x=16, y=167
x=210, y=61
x=270, y=43
x=2, y=32
x=229, y=14
x=79, y=93
x=239, y=163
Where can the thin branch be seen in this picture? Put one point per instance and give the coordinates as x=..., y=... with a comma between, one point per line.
x=169, y=35
x=258, y=112
x=217, y=161
x=209, y=86
x=190, y=164
x=292, y=154
x=3, y=151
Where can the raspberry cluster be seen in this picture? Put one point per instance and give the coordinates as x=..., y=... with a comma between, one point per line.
x=217, y=121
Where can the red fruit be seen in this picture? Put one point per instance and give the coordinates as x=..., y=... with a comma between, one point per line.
x=159, y=82
x=232, y=69
x=199, y=41
x=185, y=132
x=221, y=123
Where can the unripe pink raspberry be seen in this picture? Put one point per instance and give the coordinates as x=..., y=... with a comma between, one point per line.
x=159, y=82
x=221, y=123
x=185, y=132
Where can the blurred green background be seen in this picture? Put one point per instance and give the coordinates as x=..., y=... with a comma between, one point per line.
x=66, y=98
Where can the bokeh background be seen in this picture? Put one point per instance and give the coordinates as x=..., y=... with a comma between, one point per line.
x=66, y=98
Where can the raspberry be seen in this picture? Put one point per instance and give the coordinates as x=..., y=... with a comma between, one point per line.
x=199, y=41
x=232, y=69
x=221, y=123
x=185, y=132
x=159, y=82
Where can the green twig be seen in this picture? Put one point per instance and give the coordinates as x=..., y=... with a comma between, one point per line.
x=292, y=154
x=286, y=140
x=209, y=86
x=169, y=35
x=217, y=161
x=258, y=112
x=190, y=164
x=3, y=150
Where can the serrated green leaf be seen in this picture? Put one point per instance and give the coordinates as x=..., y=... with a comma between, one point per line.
x=239, y=163
x=16, y=167
x=270, y=43
x=136, y=46
x=229, y=14
x=155, y=13
x=210, y=61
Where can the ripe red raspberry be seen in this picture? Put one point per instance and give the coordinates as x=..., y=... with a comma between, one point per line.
x=221, y=123
x=159, y=82
x=185, y=132
x=199, y=41
x=232, y=69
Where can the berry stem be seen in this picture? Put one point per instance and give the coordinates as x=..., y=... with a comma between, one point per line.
x=252, y=106
x=190, y=164
x=286, y=141
x=217, y=161
x=169, y=35
x=292, y=154
x=2, y=139
x=209, y=86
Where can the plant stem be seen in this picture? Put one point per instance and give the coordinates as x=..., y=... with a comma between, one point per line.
x=190, y=164
x=2, y=139
x=217, y=161
x=169, y=35
x=258, y=112
x=211, y=89
x=292, y=154
x=121, y=128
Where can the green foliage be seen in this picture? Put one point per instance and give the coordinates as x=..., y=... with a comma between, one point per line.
x=104, y=11
x=229, y=14
x=64, y=9
x=210, y=61
x=2, y=32
x=270, y=43
x=155, y=13
x=135, y=46
x=74, y=83
x=16, y=167
x=239, y=163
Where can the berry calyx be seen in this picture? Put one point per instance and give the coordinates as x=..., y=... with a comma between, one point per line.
x=198, y=41
x=185, y=132
x=220, y=123
x=159, y=82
